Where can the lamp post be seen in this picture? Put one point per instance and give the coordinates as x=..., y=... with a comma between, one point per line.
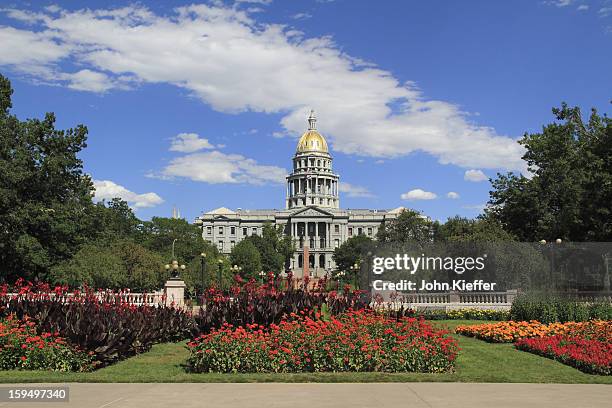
x=339, y=276
x=220, y=262
x=236, y=269
x=552, y=247
x=174, y=268
x=354, y=268
x=261, y=276
x=203, y=269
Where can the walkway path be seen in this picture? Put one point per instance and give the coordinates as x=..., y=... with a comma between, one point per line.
x=311, y=395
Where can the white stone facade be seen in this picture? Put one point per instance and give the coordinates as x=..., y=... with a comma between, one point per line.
x=312, y=214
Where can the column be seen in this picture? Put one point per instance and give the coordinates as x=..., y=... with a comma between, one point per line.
x=316, y=241
x=328, y=235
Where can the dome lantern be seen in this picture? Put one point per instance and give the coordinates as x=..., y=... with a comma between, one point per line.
x=312, y=140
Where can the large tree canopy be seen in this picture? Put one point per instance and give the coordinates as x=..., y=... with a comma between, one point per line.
x=569, y=195
x=45, y=197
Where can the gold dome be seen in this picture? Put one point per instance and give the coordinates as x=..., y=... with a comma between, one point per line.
x=311, y=140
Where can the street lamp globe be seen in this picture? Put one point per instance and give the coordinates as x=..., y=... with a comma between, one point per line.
x=558, y=240
x=543, y=242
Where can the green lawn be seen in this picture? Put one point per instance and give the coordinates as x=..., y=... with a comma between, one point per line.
x=478, y=362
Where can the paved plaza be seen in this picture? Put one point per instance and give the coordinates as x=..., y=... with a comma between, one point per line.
x=316, y=395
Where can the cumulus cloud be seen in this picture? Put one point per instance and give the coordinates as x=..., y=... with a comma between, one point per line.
x=234, y=63
x=418, y=194
x=216, y=167
x=107, y=190
x=189, y=143
x=452, y=195
x=475, y=176
x=354, y=191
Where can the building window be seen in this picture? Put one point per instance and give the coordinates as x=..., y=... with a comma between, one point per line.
x=233, y=230
x=370, y=231
x=220, y=230
x=336, y=243
x=359, y=231
x=220, y=246
x=232, y=244
x=321, y=201
x=350, y=232
x=337, y=229
x=245, y=231
x=209, y=230
x=254, y=230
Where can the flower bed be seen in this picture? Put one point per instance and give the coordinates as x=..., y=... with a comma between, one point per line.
x=102, y=324
x=509, y=332
x=588, y=355
x=465, y=314
x=356, y=341
x=21, y=347
x=266, y=303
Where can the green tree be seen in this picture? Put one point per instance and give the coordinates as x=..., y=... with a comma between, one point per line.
x=483, y=228
x=352, y=251
x=122, y=264
x=158, y=234
x=144, y=269
x=94, y=265
x=409, y=226
x=569, y=195
x=45, y=198
x=246, y=256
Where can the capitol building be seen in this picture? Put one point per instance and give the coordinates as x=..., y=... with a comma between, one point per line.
x=312, y=214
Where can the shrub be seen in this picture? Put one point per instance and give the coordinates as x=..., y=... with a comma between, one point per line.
x=102, y=324
x=588, y=355
x=549, y=309
x=356, y=341
x=22, y=347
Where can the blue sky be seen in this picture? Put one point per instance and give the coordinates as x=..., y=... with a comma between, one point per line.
x=201, y=105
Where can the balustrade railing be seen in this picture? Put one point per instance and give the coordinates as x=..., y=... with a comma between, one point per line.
x=155, y=298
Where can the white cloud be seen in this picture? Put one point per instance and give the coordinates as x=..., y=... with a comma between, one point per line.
x=476, y=207
x=234, y=63
x=605, y=11
x=354, y=191
x=560, y=3
x=452, y=195
x=87, y=80
x=189, y=143
x=583, y=7
x=215, y=167
x=418, y=194
x=475, y=176
x=301, y=16
x=107, y=190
